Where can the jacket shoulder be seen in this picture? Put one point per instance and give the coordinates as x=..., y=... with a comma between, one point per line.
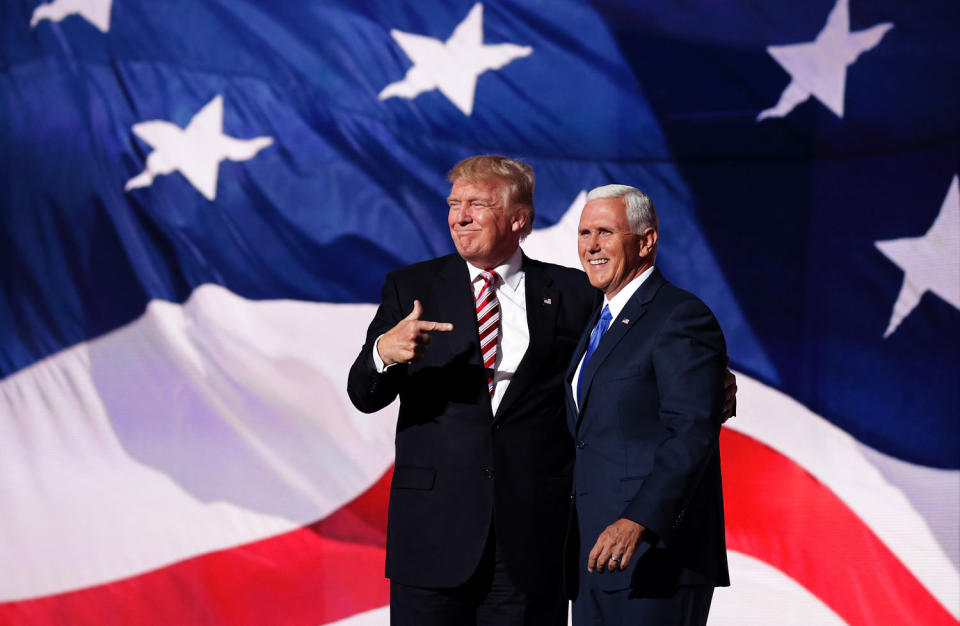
x=681, y=297
x=679, y=304
x=426, y=268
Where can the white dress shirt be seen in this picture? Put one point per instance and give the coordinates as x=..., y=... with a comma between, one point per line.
x=615, y=305
x=514, y=335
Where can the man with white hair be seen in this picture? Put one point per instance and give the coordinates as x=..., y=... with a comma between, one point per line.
x=644, y=404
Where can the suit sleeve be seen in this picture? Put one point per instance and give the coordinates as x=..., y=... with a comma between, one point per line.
x=368, y=389
x=688, y=362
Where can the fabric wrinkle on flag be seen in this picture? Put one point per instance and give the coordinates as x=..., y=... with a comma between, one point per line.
x=173, y=355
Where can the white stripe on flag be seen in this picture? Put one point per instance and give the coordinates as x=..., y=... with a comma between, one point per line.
x=840, y=462
x=194, y=428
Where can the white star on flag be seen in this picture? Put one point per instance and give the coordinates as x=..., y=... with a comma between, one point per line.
x=929, y=263
x=452, y=66
x=97, y=12
x=819, y=67
x=195, y=151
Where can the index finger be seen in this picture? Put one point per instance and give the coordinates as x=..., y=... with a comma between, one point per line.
x=434, y=326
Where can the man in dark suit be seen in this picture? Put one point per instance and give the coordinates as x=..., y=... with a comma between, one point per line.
x=644, y=403
x=480, y=497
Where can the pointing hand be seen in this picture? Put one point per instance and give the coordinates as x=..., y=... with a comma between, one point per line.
x=408, y=340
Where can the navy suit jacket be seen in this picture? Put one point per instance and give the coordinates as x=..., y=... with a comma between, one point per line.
x=646, y=440
x=459, y=467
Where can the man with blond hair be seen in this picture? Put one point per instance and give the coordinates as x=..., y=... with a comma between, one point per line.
x=480, y=499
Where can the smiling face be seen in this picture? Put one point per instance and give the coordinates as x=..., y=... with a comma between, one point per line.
x=485, y=228
x=612, y=255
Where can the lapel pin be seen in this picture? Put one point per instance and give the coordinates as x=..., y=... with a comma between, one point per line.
x=547, y=301
x=625, y=320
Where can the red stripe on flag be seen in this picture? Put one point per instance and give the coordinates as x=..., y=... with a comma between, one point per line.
x=775, y=511
x=327, y=571
x=779, y=513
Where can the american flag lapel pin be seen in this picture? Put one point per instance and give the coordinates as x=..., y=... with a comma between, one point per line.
x=625, y=321
x=548, y=301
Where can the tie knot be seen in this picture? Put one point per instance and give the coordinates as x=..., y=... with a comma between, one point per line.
x=489, y=277
x=605, y=316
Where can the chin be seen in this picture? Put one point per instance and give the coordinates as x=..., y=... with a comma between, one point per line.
x=596, y=280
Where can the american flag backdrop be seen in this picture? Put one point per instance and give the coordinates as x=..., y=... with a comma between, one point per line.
x=200, y=200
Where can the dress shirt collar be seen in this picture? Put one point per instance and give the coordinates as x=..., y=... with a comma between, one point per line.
x=623, y=296
x=511, y=271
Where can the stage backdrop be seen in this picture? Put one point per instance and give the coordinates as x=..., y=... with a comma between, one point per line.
x=201, y=199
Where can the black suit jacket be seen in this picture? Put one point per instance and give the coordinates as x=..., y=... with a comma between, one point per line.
x=647, y=439
x=458, y=466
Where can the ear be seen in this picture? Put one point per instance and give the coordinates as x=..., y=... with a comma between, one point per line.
x=519, y=220
x=648, y=242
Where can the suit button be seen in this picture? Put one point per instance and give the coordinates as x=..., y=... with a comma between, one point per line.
x=581, y=445
x=497, y=427
x=488, y=472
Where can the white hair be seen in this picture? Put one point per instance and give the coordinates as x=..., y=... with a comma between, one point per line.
x=641, y=213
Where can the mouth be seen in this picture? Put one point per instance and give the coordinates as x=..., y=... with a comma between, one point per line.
x=596, y=262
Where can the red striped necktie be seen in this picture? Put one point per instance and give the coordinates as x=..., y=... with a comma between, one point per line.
x=488, y=323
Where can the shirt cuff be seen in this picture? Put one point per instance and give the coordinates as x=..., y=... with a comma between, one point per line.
x=377, y=361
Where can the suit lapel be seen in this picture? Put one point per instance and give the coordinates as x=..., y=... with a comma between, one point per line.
x=635, y=309
x=573, y=418
x=542, y=300
x=453, y=297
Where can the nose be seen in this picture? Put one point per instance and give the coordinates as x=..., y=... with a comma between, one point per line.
x=593, y=243
x=461, y=215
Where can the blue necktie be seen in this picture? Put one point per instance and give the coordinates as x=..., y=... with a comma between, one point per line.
x=602, y=324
